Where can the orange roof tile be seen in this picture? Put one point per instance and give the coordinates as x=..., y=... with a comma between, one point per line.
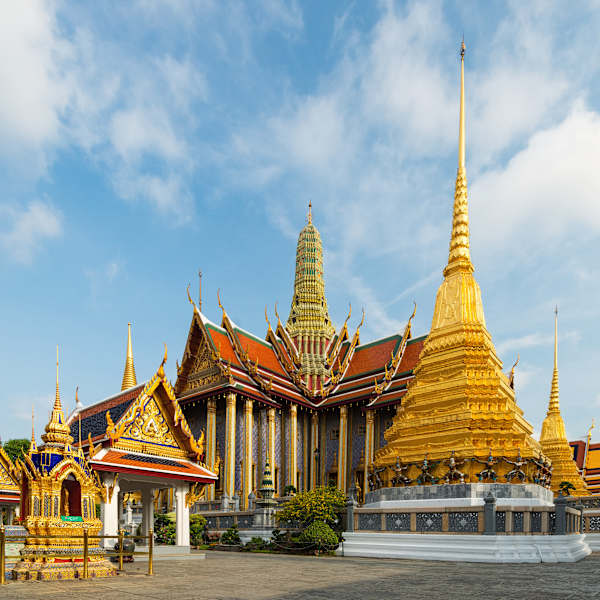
x=222, y=343
x=265, y=353
x=372, y=357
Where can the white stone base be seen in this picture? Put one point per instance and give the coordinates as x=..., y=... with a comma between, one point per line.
x=247, y=534
x=467, y=548
x=593, y=541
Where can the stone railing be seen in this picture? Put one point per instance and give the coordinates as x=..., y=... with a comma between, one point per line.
x=482, y=520
x=222, y=520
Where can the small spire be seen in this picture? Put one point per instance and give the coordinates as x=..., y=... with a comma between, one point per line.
x=78, y=404
x=57, y=430
x=32, y=446
x=554, y=397
x=310, y=212
x=57, y=404
x=129, y=379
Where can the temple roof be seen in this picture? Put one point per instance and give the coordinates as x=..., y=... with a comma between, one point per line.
x=225, y=358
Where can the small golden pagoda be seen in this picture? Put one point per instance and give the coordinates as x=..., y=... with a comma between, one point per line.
x=554, y=437
x=58, y=499
x=460, y=401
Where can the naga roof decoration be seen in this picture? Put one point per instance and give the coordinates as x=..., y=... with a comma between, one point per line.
x=9, y=479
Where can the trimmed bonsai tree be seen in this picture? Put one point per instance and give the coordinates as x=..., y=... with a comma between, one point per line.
x=318, y=536
x=565, y=488
x=322, y=504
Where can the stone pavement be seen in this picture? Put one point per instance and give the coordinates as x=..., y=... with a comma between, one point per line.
x=228, y=576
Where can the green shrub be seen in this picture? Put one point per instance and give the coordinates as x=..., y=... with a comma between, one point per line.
x=197, y=529
x=320, y=504
x=231, y=537
x=164, y=529
x=289, y=490
x=256, y=543
x=320, y=536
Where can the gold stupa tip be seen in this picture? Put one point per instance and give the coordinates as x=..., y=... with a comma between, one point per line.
x=462, y=48
x=310, y=212
x=129, y=378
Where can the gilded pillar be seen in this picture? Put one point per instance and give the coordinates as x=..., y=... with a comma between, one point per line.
x=293, y=461
x=342, y=448
x=271, y=440
x=369, y=448
x=305, y=453
x=247, y=465
x=314, y=456
x=211, y=442
x=229, y=487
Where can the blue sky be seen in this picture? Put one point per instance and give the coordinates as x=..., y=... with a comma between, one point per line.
x=142, y=141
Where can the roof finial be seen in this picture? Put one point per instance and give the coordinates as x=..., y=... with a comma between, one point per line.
x=129, y=378
x=200, y=291
x=461, y=132
x=310, y=212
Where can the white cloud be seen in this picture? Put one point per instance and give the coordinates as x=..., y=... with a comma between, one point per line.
x=544, y=193
x=28, y=228
x=532, y=340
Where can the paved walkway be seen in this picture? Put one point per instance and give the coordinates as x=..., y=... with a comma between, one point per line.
x=228, y=576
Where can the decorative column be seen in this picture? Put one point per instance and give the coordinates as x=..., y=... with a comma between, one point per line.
x=211, y=442
x=369, y=449
x=314, y=455
x=293, y=462
x=342, y=449
x=271, y=438
x=109, y=510
x=147, y=510
x=229, y=487
x=247, y=464
x=182, y=516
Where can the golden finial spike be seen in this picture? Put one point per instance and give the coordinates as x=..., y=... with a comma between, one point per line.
x=556, y=338
x=32, y=446
x=461, y=126
x=57, y=404
x=129, y=378
x=554, y=396
x=200, y=291
x=310, y=212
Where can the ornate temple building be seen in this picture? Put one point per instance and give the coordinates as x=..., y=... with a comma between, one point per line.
x=10, y=490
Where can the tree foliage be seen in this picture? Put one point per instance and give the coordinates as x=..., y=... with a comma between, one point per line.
x=16, y=448
x=319, y=504
x=197, y=526
x=566, y=487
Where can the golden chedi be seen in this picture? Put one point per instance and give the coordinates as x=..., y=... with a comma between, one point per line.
x=460, y=401
x=554, y=437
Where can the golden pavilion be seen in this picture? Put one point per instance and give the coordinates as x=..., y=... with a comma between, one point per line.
x=58, y=503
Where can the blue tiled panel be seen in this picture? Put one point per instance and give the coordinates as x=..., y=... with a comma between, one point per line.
x=358, y=439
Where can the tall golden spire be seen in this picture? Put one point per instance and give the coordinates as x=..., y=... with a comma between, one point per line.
x=310, y=212
x=554, y=436
x=459, y=256
x=129, y=379
x=460, y=400
x=58, y=433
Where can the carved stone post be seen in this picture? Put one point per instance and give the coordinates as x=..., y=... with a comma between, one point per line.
x=489, y=515
x=560, y=511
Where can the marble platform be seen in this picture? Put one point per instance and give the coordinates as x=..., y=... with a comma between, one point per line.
x=467, y=548
x=459, y=494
